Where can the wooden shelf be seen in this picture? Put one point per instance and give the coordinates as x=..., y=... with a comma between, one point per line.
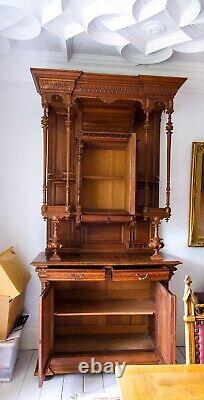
x=100, y=343
x=103, y=177
x=108, y=307
x=105, y=211
x=63, y=363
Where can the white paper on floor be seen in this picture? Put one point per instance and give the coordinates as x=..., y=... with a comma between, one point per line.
x=93, y=396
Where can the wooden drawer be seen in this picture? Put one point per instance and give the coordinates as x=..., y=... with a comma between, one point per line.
x=105, y=218
x=140, y=275
x=76, y=275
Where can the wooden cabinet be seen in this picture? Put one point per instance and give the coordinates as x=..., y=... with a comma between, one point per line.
x=109, y=313
x=104, y=281
x=112, y=313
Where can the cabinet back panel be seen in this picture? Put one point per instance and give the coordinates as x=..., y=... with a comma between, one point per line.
x=100, y=291
x=101, y=233
x=103, y=194
x=103, y=290
x=101, y=117
x=57, y=143
x=102, y=162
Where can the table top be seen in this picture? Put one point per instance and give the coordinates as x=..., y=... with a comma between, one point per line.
x=101, y=259
x=162, y=382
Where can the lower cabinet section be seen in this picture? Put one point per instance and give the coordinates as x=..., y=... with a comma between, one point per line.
x=110, y=321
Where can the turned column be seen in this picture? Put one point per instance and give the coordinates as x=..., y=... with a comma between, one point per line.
x=44, y=123
x=169, y=131
x=146, y=132
x=78, y=180
x=68, y=123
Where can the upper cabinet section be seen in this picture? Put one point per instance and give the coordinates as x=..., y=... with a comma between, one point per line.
x=101, y=159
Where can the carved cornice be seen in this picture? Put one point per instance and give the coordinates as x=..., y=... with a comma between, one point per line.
x=108, y=88
x=56, y=85
x=132, y=92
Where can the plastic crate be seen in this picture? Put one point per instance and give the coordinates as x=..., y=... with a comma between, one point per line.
x=9, y=350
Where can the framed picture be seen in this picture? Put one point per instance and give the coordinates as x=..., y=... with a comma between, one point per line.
x=196, y=223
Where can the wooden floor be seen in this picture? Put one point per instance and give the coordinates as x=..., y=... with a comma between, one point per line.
x=24, y=385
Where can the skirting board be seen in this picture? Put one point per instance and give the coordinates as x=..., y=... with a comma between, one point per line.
x=29, y=338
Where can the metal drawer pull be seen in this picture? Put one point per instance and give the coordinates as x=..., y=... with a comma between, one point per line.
x=77, y=276
x=142, y=278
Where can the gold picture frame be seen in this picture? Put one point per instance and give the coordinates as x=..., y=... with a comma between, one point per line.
x=196, y=221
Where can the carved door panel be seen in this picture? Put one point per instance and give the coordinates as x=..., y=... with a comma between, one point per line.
x=46, y=334
x=165, y=323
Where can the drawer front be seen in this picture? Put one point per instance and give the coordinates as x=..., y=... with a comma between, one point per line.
x=140, y=275
x=75, y=275
x=106, y=218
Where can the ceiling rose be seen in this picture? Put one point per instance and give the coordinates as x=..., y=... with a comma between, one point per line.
x=142, y=31
x=154, y=27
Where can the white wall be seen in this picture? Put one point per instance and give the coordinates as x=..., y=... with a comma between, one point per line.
x=188, y=127
x=21, y=224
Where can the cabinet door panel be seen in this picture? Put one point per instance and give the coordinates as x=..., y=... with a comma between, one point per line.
x=46, y=312
x=165, y=323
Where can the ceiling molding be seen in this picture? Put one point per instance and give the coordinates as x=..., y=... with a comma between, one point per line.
x=19, y=71
x=140, y=31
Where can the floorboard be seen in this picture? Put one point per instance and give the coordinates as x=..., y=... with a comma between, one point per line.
x=11, y=390
x=24, y=385
x=30, y=388
x=110, y=384
x=72, y=384
x=93, y=383
x=52, y=388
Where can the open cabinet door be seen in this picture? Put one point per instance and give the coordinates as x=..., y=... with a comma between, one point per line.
x=165, y=323
x=46, y=314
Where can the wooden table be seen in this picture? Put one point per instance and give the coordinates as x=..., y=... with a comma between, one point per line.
x=162, y=382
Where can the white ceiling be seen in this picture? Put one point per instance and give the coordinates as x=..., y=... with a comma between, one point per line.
x=137, y=31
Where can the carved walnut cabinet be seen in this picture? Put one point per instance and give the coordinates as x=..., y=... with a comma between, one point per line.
x=104, y=280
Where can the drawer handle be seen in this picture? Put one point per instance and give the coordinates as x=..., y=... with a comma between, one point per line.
x=142, y=277
x=77, y=276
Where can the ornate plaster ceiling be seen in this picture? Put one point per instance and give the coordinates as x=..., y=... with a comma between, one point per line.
x=141, y=31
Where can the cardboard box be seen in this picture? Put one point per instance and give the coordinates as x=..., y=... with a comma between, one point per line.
x=13, y=280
